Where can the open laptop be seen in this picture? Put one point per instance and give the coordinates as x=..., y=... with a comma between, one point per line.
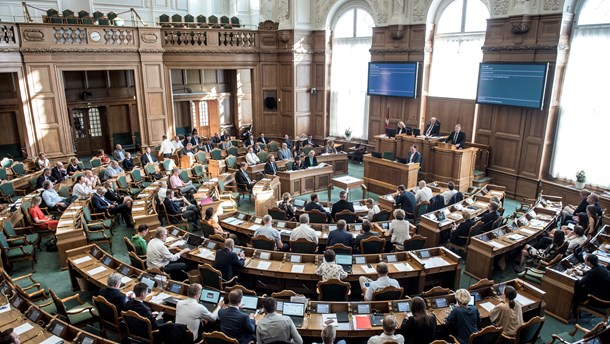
x=149, y=281
x=295, y=311
x=345, y=261
x=249, y=304
x=192, y=242
x=209, y=299
x=299, y=203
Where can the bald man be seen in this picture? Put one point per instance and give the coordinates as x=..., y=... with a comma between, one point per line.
x=226, y=259
x=433, y=128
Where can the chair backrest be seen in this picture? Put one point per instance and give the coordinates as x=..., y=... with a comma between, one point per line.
x=333, y=290
x=437, y=202
x=8, y=229
x=284, y=294
x=6, y=162
x=136, y=175
x=95, y=162
x=168, y=165
x=436, y=291
x=107, y=311
x=481, y=284
x=306, y=150
x=243, y=289
x=201, y=19
x=488, y=335
x=274, y=146
x=231, y=162
x=372, y=245
x=339, y=248
x=277, y=213
x=382, y=215
x=136, y=261
x=235, y=21
x=129, y=244
x=388, y=293
x=289, y=165
x=210, y=277
x=216, y=154
x=529, y=332
x=263, y=156
x=498, y=222
x=207, y=229
x=346, y=215
x=7, y=189
x=200, y=157
x=138, y=327
x=3, y=242
x=416, y=242
x=233, y=151
x=59, y=305
x=19, y=169
x=3, y=174
x=263, y=243
x=213, y=19
x=457, y=197
x=303, y=245
x=217, y=337
x=184, y=176
x=316, y=216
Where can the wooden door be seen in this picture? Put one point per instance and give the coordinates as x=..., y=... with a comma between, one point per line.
x=204, y=116
x=88, y=130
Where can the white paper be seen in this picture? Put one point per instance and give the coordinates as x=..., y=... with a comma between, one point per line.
x=495, y=244
x=298, y=268
x=96, y=270
x=528, y=231
x=5, y=309
x=205, y=253
x=367, y=269
x=82, y=260
x=263, y=265
x=523, y=300
x=402, y=267
x=255, y=227
x=157, y=299
x=516, y=237
x=52, y=340
x=125, y=279
x=488, y=306
x=23, y=328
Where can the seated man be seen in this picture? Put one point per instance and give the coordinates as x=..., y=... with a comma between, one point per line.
x=457, y=138
x=52, y=199
x=433, y=128
x=193, y=314
x=234, y=322
x=329, y=268
x=414, y=155
x=119, y=153
x=216, y=138
x=42, y=162
x=310, y=160
x=113, y=170
x=226, y=259
x=570, y=210
x=310, y=142
x=249, y=142
x=140, y=292
x=242, y=178
x=449, y=193
x=284, y=153
x=101, y=204
x=262, y=139
x=369, y=286
x=304, y=230
x=314, y=204
x=177, y=143
x=185, y=188
x=489, y=216
x=340, y=235
x=389, y=328
x=92, y=180
x=113, y=293
x=276, y=328
x=207, y=146
x=180, y=206
x=405, y=200
x=159, y=256
x=269, y=232
x=271, y=166
x=288, y=141
x=341, y=204
x=148, y=157
x=188, y=150
x=128, y=163
x=59, y=172
x=298, y=164
x=422, y=193
x=364, y=234
x=594, y=282
x=45, y=176
x=251, y=157
x=113, y=195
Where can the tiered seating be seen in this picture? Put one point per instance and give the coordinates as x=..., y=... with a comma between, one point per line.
x=202, y=21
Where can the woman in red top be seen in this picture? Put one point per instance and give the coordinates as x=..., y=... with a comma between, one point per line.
x=102, y=156
x=39, y=217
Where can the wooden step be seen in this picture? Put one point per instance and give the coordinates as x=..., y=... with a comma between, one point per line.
x=478, y=174
x=482, y=181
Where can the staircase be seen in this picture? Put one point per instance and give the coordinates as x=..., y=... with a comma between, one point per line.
x=481, y=179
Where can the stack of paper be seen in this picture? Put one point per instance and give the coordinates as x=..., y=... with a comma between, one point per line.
x=264, y=265
x=402, y=266
x=298, y=268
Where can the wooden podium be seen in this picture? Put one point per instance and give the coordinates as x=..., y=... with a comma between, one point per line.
x=424, y=146
x=383, y=176
x=306, y=181
x=385, y=144
x=455, y=165
x=266, y=193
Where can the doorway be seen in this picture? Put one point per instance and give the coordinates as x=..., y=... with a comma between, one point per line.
x=87, y=129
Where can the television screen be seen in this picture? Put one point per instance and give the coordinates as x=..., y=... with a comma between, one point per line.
x=396, y=79
x=514, y=84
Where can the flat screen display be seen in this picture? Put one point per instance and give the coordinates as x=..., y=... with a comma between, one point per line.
x=394, y=79
x=404, y=307
x=513, y=84
x=211, y=296
x=294, y=309
x=249, y=302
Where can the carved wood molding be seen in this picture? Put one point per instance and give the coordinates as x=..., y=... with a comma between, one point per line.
x=210, y=51
x=81, y=50
x=520, y=47
x=149, y=37
x=269, y=25
x=33, y=35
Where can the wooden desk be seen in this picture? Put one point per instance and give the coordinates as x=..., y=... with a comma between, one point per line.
x=455, y=165
x=424, y=146
x=68, y=234
x=384, y=144
x=143, y=209
x=346, y=183
x=305, y=181
x=338, y=162
x=266, y=193
x=383, y=176
x=216, y=167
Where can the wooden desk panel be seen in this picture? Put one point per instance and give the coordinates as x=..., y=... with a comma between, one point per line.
x=455, y=165
x=385, y=144
x=305, y=181
x=383, y=176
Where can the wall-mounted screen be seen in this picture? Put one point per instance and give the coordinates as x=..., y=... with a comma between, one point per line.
x=513, y=84
x=395, y=79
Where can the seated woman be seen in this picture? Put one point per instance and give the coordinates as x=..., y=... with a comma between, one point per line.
x=547, y=253
x=39, y=217
x=508, y=314
x=226, y=144
x=73, y=166
x=102, y=156
x=462, y=230
x=591, y=228
x=286, y=206
x=329, y=148
x=298, y=164
x=463, y=318
x=372, y=210
x=399, y=229
x=211, y=221
x=420, y=327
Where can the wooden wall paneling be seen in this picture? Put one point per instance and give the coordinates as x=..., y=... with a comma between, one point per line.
x=9, y=131
x=158, y=120
x=451, y=111
x=118, y=119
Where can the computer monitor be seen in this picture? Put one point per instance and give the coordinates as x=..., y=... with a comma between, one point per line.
x=299, y=202
x=343, y=259
x=250, y=302
x=294, y=309
x=390, y=132
x=210, y=296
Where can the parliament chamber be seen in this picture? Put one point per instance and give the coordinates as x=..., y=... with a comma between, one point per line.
x=294, y=171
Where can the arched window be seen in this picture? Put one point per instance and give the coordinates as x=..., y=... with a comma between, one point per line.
x=584, y=114
x=456, y=53
x=349, y=108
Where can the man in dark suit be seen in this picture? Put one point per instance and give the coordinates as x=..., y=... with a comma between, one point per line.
x=241, y=177
x=207, y=146
x=234, y=322
x=180, y=206
x=414, y=155
x=140, y=291
x=405, y=200
x=433, y=128
x=262, y=139
x=489, y=216
x=271, y=166
x=310, y=142
x=217, y=139
x=101, y=204
x=310, y=160
x=340, y=235
x=341, y=204
x=313, y=204
x=226, y=259
x=59, y=173
x=458, y=137
x=594, y=282
x=113, y=293
x=366, y=233
x=46, y=175
x=249, y=141
x=148, y=157
x=298, y=164
x=288, y=141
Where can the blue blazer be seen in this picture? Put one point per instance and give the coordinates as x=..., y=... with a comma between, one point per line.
x=406, y=201
x=237, y=324
x=340, y=236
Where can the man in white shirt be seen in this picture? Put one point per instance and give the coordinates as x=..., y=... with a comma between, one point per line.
x=369, y=286
x=162, y=192
x=251, y=157
x=81, y=188
x=193, y=314
x=148, y=157
x=423, y=193
x=177, y=143
x=372, y=210
x=388, y=336
x=159, y=256
x=447, y=194
x=167, y=148
x=92, y=180
x=274, y=327
x=304, y=230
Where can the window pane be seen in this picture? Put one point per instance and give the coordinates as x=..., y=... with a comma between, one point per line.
x=595, y=12
x=476, y=16
x=345, y=25
x=451, y=19
x=364, y=24
x=94, y=122
x=204, y=119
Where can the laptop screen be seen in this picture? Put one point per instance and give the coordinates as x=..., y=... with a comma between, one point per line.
x=125, y=270
x=107, y=260
x=210, y=296
x=265, y=255
x=295, y=309
x=175, y=232
x=323, y=308
x=58, y=329
x=403, y=306
x=295, y=259
x=364, y=308
x=440, y=302
x=148, y=281
x=174, y=288
x=250, y=302
x=85, y=340
x=299, y=202
x=343, y=259
x=424, y=254
x=360, y=260
x=391, y=258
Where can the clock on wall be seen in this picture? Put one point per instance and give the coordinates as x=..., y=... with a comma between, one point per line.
x=95, y=36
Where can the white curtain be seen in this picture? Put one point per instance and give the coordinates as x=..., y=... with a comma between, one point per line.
x=349, y=104
x=584, y=113
x=455, y=65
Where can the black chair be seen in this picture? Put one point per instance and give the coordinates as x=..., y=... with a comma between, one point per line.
x=437, y=202
x=372, y=245
x=416, y=242
x=139, y=329
x=457, y=197
x=263, y=243
x=212, y=278
x=383, y=215
x=303, y=245
x=339, y=248
x=388, y=293
x=109, y=316
x=333, y=290
x=529, y=332
x=277, y=214
x=488, y=335
x=347, y=216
